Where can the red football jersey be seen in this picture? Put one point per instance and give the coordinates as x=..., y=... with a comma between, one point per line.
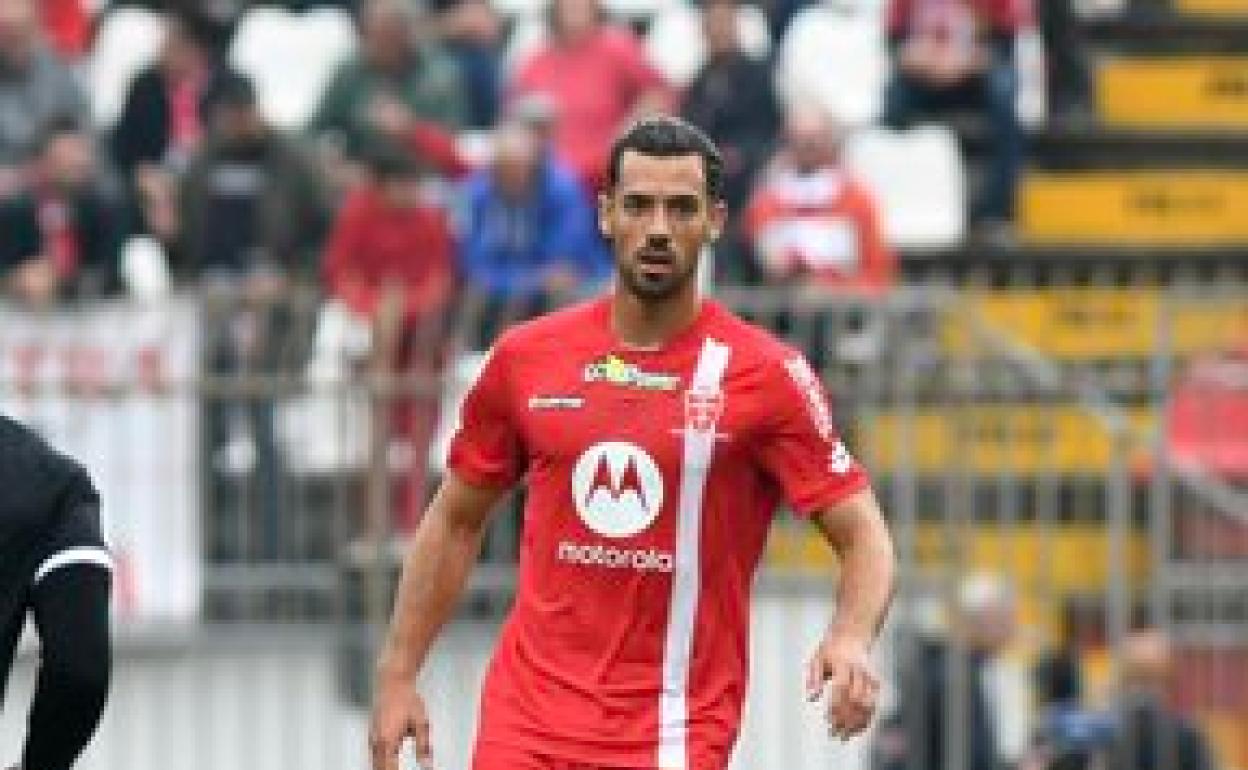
x=652, y=479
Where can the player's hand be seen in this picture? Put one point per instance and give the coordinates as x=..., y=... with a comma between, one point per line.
x=398, y=714
x=841, y=669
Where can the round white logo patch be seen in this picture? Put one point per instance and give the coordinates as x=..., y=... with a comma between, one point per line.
x=617, y=489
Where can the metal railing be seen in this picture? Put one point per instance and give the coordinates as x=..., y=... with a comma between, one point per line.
x=1004, y=440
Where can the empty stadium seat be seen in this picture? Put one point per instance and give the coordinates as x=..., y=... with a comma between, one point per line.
x=636, y=9
x=272, y=46
x=676, y=46
x=1177, y=207
x=837, y=57
x=528, y=33
x=1174, y=92
x=1213, y=7
x=128, y=39
x=918, y=179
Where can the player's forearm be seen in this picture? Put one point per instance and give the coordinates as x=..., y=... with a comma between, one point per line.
x=868, y=568
x=434, y=574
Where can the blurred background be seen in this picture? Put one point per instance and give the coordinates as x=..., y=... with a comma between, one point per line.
x=251, y=255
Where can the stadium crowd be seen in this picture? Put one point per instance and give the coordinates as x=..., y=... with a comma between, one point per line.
x=457, y=144
x=405, y=161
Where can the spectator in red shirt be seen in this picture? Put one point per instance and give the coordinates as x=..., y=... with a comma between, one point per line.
x=954, y=54
x=808, y=222
x=390, y=260
x=598, y=78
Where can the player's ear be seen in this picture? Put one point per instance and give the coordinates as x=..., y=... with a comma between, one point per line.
x=718, y=217
x=604, y=215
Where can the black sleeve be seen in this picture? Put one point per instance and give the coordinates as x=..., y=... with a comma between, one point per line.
x=70, y=607
x=69, y=600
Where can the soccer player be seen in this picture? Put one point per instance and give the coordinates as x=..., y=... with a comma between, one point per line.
x=55, y=567
x=657, y=434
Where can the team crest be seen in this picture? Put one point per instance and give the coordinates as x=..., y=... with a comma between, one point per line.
x=703, y=408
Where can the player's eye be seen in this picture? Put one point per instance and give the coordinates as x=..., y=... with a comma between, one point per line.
x=635, y=204
x=683, y=207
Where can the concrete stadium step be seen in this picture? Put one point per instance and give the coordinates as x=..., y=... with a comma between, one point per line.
x=1173, y=92
x=1067, y=146
x=1169, y=30
x=1178, y=207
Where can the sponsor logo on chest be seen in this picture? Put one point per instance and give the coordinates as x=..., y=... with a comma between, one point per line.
x=618, y=491
x=616, y=371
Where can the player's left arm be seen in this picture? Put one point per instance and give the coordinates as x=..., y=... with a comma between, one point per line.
x=856, y=530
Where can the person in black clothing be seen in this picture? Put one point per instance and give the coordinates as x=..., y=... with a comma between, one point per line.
x=162, y=124
x=60, y=236
x=1152, y=735
x=944, y=690
x=733, y=101
x=55, y=568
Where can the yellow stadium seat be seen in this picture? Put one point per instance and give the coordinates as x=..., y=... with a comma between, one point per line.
x=1176, y=92
x=990, y=439
x=1180, y=207
x=1228, y=732
x=1090, y=323
x=1213, y=8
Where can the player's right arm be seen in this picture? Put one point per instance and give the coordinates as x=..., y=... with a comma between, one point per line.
x=443, y=551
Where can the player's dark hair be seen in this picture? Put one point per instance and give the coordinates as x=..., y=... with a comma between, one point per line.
x=668, y=137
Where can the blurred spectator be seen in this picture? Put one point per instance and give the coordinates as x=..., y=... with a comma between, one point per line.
x=530, y=238
x=36, y=89
x=959, y=54
x=393, y=81
x=732, y=100
x=945, y=689
x=61, y=234
x=1153, y=735
x=162, y=122
x=390, y=260
x=473, y=33
x=597, y=77
x=251, y=206
x=808, y=222
x=1068, y=735
x=67, y=26
x=1066, y=47
x=251, y=217
x=162, y=125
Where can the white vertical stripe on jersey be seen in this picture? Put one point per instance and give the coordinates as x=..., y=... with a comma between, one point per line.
x=678, y=645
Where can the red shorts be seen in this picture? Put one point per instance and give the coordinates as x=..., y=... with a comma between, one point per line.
x=491, y=756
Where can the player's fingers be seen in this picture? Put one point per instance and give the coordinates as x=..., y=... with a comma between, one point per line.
x=852, y=711
x=838, y=681
x=858, y=691
x=814, y=678
x=422, y=742
x=385, y=751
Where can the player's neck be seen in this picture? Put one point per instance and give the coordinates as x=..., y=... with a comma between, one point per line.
x=651, y=324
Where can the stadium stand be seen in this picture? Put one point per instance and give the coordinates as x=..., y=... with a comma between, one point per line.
x=127, y=39
x=1016, y=390
x=271, y=46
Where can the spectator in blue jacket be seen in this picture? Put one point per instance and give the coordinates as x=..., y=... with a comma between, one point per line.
x=528, y=239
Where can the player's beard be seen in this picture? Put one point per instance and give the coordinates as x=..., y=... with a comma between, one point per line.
x=656, y=287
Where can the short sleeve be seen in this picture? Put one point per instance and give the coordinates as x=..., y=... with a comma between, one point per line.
x=486, y=447
x=800, y=448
